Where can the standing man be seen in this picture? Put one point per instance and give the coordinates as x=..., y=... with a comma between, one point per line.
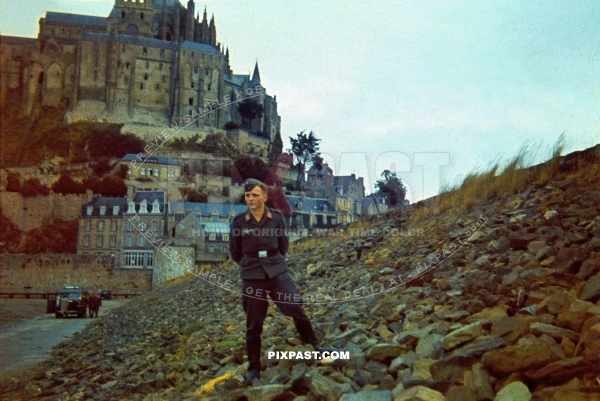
x=258, y=244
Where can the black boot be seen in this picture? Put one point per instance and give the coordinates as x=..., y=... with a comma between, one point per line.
x=253, y=374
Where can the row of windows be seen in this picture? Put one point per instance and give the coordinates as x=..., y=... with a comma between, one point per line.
x=115, y=211
x=112, y=240
x=203, y=56
x=114, y=225
x=142, y=225
x=213, y=249
x=154, y=172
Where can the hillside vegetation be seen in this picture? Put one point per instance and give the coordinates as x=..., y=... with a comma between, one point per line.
x=28, y=142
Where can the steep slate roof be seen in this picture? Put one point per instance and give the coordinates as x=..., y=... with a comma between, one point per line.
x=128, y=39
x=149, y=196
x=97, y=202
x=206, y=209
x=76, y=19
x=129, y=157
x=237, y=79
x=310, y=204
x=201, y=47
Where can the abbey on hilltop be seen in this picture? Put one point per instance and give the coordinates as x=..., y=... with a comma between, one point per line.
x=149, y=61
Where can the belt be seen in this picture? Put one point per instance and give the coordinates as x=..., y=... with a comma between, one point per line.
x=262, y=254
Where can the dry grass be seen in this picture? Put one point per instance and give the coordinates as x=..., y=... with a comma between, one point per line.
x=495, y=182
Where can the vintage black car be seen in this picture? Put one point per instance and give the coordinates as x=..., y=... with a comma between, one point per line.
x=70, y=301
x=104, y=294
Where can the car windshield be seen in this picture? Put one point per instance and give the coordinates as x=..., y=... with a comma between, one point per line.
x=75, y=295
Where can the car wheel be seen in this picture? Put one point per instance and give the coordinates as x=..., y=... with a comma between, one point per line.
x=57, y=315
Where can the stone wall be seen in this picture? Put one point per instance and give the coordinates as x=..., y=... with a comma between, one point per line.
x=179, y=262
x=35, y=212
x=46, y=272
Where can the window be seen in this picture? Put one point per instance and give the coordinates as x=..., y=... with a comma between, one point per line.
x=88, y=225
x=127, y=65
x=156, y=172
x=90, y=209
x=132, y=29
x=211, y=249
x=101, y=225
x=208, y=87
x=145, y=77
x=102, y=210
x=171, y=173
x=129, y=240
x=143, y=171
x=123, y=49
x=192, y=54
x=123, y=14
x=193, y=84
x=225, y=237
x=154, y=225
x=140, y=240
x=113, y=241
x=160, y=66
x=145, y=51
x=157, y=87
x=115, y=211
x=164, y=78
x=99, y=241
x=126, y=80
x=206, y=71
x=147, y=64
x=113, y=225
x=191, y=101
x=215, y=218
x=196, y=69
x=162, y=53
x=86, y=240
x=95, y=46
x=130, y=223
x=139, y=259
x=142, y=86
x=119, y=65
x=142, y=16
x=225, y=250
x=212, y=236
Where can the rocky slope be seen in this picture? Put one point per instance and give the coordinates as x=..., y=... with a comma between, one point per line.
x=498, y=302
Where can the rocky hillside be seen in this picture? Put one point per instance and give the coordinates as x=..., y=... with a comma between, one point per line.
x=469, y=296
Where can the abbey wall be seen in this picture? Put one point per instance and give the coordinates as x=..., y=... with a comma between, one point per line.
x=150, y=62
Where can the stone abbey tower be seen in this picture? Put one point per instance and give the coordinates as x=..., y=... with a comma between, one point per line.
x=150, y=61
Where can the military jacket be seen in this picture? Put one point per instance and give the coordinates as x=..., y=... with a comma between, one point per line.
x=259, y=248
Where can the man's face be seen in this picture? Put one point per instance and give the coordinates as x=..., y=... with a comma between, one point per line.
x=255, y=199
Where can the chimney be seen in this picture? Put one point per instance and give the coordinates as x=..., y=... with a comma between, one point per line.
x=130, y=193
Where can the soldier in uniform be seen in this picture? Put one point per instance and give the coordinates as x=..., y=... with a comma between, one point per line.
x=258, y=244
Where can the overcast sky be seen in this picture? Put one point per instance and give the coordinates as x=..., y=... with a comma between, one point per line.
x=431, y=88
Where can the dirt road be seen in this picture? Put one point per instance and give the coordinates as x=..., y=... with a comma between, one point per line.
x=25, y=342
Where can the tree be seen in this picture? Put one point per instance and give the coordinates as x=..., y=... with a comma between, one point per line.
x=33, y=187
x=306, y=148
x=391, y=187
x=249, y=110
x=66, y=185
x=276, y=148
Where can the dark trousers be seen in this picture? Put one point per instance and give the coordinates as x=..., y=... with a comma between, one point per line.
x=284, y=293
